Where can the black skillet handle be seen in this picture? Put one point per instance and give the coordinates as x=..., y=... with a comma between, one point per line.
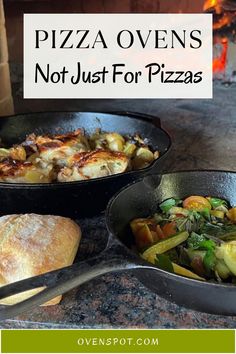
x=114, y=258
x=147, y=117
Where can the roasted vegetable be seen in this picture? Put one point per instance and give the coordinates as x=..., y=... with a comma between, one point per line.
x=216, y=202
x=115, y=141
x=164, y=262
x=231, y=214
x=185, y=272
x=164, y=246
x=18, y=153
x=143, y=157
x=178, y=211
x=217, y=214
x=222, y=269
x=169, y=229
x=196, y=203
x=129, y=149
x=143, y=235
x=168, y=204
x=195, y=238
x=209, y=260
x=4, y=153
x=227, y=253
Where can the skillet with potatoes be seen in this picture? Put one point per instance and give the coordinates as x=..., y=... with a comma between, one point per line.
x=73, y=156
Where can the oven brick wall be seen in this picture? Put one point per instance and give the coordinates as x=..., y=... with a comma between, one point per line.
x=6, y=102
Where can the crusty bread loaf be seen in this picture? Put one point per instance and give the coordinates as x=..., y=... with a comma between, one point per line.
x=33, y=244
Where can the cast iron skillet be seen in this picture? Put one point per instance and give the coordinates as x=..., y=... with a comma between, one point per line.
x=140, y=199
x=82, y=198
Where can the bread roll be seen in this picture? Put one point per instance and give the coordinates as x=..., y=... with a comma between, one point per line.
x=33, y=244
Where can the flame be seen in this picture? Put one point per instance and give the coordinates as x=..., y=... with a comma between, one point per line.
x=223, y=17
x=219, y=63
x=225, y=20
x=212, y=4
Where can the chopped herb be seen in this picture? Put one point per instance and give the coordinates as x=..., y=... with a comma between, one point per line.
x=211, y=229
x=196, y=215
x=195, y=240
x=229, y=236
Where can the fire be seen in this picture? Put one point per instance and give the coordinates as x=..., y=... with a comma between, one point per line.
x=224, y=12
x=223, y=21
x=224, y=15
x=212, y=4
x=219, y=63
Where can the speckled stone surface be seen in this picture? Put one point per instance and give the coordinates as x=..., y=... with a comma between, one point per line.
x=203, y=133
x=114, y=300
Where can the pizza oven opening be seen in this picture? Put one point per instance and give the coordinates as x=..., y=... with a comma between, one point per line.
x=224, y=43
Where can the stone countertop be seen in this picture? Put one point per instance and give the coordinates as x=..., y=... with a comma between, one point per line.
x=203, y=133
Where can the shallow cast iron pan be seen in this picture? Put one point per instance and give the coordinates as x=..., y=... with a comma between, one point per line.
x=140, y=199
x=82, y=198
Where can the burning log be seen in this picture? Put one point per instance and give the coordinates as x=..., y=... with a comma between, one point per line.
x=220, y=61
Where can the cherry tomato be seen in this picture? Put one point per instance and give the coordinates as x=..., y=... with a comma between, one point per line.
x=169, y=229
x=196, y=202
